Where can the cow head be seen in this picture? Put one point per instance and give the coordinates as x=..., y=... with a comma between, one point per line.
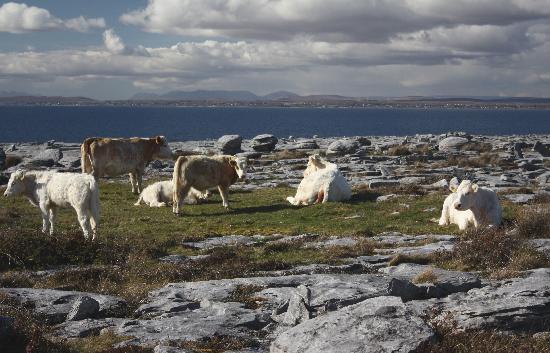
x=162, y=151
x=239, y=164
x=314, y=163
x=16, y=185
x=466, y=192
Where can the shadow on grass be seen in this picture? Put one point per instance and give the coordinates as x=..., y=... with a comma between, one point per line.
x=364, y=195
x=245, y=210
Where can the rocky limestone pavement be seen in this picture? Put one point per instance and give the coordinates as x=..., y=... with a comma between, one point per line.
x=381, y=324
x=518, y=304
x=55, y=305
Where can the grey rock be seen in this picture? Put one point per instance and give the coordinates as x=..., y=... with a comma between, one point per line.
x=385, y=197
x=83, y=307
x=86, y=327
x=452, y=143
x=226, y=240
x=306, y=145
x=446, y=283
x=540, y=244
x=427, y=249
x=230, y=144
x=520, y=304
x=264, y=143
x=442, y=184
x=342, y=147
x=6, y=327
x=520, y=198
x=46, y=158
x=168, y=349
x=542, y=148
x=297, y=308
x=382, y=324
x=56, y=304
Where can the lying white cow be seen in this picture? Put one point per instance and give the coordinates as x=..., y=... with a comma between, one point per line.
x=203, y=173
x=450, y=215
x=160, y=194
x=482, y=202
x=50, y=190
x=322, y=182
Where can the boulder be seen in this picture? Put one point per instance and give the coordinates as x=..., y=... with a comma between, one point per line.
x=382, y=324
x=452, y=143
x=520, y=304
x=306, y=145
x=264, y=143
x=230, y=144
x=542, y=148
x=46, y=158
x=520, y=198
x=342, y=147
x=83, y=307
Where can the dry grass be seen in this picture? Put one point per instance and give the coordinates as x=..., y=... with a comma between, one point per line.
x=245, y=294
x=477, y=146
x=427, y=276
x=493, y=252
x=412, y=259
x=12, y=160
x=399, y=150
x=534, y=222
x=483, y=160
x=218, y=344
x=289, y=154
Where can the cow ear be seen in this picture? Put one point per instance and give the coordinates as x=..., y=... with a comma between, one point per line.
x=233, y=162
x=453, y=187
x=475, y=187
x=160, y=140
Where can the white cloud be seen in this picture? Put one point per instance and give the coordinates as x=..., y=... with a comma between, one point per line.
x=331, y=20
x=21, y=18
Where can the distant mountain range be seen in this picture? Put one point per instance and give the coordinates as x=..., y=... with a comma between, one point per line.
x=240, y=96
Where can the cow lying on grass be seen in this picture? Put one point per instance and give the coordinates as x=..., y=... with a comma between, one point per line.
x=483, y=203
x=116, y=156
x=161, y=194
x=50, y=190
x=450, y=215
x=203, y=173
x=322, y=182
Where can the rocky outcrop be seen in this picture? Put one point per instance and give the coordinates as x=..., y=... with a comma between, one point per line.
x=382, y=324
x=343, y=147
x=452, y=143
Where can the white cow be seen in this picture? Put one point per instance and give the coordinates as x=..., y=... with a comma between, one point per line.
x=160, y=194
x=450, y=215
x=49, y=190
x=483, y=202
x=322, y=182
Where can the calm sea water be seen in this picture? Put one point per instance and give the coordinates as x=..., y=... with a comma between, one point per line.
x=73, y=124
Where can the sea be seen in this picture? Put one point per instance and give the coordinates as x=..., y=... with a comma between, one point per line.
x=73, y=124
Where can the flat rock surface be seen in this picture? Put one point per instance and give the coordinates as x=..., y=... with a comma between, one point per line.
x=382, y=324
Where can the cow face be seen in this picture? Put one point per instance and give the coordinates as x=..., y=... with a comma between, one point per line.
x=240, y=165
x=466, y=193
x=16, y=185
x=314, y=163
x=163, y=151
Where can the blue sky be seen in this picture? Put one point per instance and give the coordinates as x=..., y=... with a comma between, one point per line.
x=114, y=49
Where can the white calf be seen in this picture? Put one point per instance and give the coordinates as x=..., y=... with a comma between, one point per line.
x=482, y=202
x=160, y=194
x=450, y=215
x=50, y=190
x=322, y=182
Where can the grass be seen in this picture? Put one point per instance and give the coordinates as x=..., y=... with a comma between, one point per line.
x=427, y=276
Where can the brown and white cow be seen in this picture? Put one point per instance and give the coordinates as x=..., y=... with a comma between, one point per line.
x=203, y=173
x=103, y=156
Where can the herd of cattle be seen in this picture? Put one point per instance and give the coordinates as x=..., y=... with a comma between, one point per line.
x=194, y=176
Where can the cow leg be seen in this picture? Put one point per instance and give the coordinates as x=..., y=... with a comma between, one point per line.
x=133, y=181
x=84, y=221
x=179, y=197
x=53, y=216
x=224, y=193
x=139, y=179
x=44, y=211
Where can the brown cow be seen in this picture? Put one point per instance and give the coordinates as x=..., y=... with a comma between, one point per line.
x=203, y=173
x=116, y=156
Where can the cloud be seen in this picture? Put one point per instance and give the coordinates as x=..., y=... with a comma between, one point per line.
x=21, y=18
x=114, y=44
x=331, y=20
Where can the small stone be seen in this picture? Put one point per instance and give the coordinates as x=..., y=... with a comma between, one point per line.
x=83, y=308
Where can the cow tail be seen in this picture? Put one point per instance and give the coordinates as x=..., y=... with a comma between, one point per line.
x=86, y=158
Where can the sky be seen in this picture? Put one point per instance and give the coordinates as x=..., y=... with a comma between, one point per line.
x=109, y=49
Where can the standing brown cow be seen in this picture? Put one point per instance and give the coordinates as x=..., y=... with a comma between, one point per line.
x=115, y=156
x=203, y=173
